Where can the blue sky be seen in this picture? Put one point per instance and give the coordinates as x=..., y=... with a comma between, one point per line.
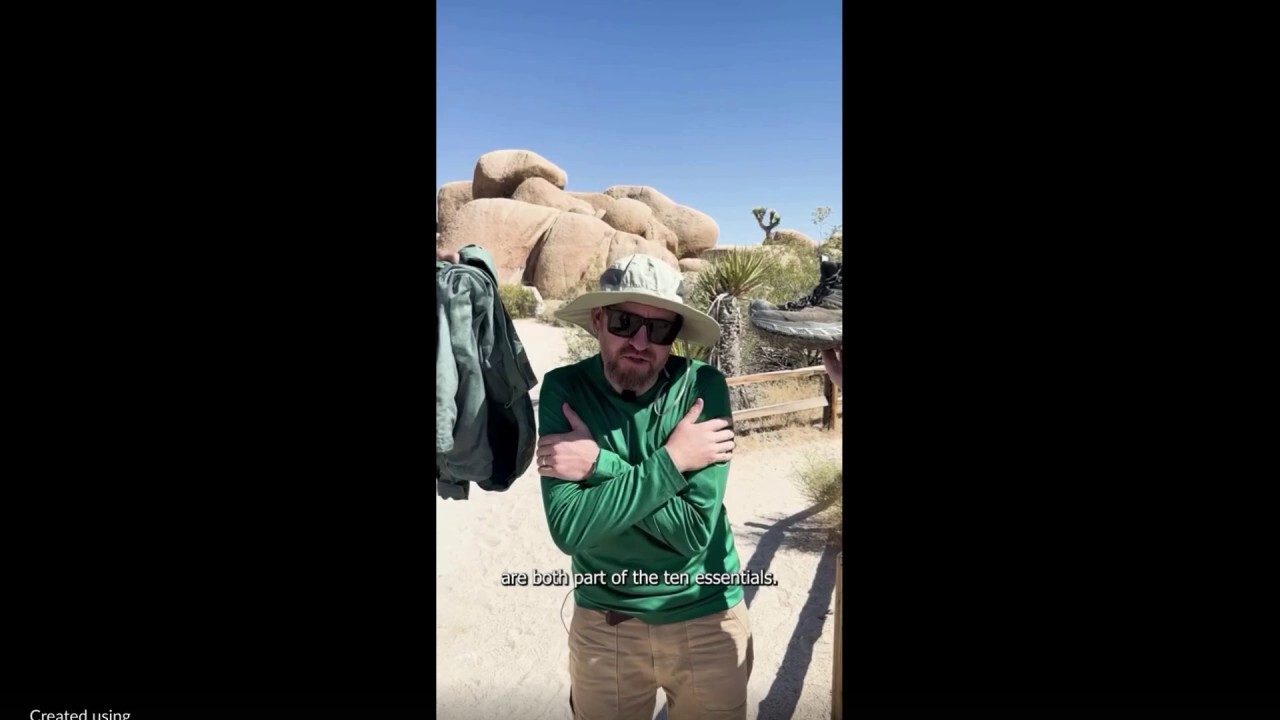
x=721, y=105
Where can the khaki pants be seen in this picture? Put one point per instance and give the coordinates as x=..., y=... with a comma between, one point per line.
x=702, y=665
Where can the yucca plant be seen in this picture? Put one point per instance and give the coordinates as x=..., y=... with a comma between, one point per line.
x=722, y=286
x=693, y=352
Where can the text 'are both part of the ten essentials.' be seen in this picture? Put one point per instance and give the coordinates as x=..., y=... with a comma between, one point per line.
x=560, y=578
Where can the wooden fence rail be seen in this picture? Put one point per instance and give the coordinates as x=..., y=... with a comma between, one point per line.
x=829, y=401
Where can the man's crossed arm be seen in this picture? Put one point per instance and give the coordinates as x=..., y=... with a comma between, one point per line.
x=591, y=494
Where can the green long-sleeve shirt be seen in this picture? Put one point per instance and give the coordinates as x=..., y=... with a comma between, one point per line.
x=637, y=512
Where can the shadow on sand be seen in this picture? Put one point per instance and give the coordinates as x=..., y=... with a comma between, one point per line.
x=784, y=694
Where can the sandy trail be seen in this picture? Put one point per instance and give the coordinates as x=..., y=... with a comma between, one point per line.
x=502, y=652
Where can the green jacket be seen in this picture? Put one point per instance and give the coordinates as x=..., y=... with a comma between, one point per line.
x=485, y=429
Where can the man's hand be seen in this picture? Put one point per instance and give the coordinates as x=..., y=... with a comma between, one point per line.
x=694, y=445
x=568, y=456
x=833, y=360
x=447, y=257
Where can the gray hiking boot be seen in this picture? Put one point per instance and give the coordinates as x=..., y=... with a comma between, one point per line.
x=814, y=322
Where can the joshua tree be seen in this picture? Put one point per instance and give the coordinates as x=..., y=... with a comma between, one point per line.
x=721, y=288
x=774, y=219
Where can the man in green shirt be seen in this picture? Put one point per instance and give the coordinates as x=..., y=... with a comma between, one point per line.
x=634, y=456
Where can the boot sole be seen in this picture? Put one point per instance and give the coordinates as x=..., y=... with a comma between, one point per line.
x=808, y=335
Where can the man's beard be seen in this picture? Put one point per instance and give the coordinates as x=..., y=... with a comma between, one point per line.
x=630, y=376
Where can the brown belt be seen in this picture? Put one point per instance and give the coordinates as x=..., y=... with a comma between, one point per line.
x=616, y=618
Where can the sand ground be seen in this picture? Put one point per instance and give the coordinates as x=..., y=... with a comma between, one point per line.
x=502, y=652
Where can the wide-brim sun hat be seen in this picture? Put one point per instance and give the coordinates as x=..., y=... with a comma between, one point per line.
x=649, y=281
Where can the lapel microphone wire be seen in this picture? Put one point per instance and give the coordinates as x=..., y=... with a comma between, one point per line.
x=562, y=604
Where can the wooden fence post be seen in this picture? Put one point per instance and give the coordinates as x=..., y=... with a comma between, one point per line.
x=837, y=678
x=830, y=413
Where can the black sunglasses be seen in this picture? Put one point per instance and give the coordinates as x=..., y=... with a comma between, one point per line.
x=625, y=324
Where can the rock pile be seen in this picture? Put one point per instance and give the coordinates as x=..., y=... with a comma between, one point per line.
x=516, y=207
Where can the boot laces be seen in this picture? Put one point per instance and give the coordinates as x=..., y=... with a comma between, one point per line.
x=824, y=288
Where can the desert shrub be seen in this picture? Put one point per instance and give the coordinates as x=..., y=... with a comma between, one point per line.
x=518, y=301
x=822, y=480
x=833, y=246
x=579, y=344
x=793, y=277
